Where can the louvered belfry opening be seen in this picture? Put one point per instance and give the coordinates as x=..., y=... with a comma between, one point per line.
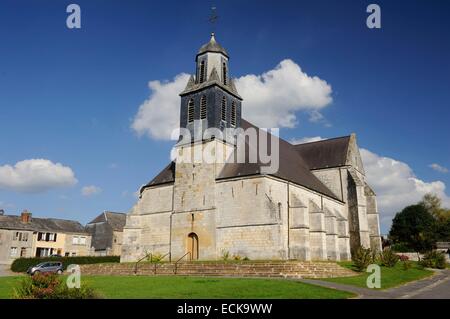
x=191, y=111
x=202, y=71
x=203, y=107
x=223, y=110
x=233, y=113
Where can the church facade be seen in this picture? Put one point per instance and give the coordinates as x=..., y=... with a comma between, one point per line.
x=316, y=206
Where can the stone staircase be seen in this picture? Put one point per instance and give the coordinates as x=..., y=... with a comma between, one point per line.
x=265, y=269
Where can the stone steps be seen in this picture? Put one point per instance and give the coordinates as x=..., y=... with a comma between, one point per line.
x=280, y=269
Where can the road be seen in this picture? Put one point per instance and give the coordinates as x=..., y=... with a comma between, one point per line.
x=434, y=287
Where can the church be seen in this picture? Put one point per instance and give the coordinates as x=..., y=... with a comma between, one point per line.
x=317, y=204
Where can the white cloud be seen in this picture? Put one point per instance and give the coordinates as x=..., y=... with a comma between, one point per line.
x=90, y=190
x=270, y=100
x=303, y=140
x=439, y=168
x=35, y=175
x=396, y=185
x=160, y=114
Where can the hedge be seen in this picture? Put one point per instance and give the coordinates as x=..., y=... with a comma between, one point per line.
x=22, y=264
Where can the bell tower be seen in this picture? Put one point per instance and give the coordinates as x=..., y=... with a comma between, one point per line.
x=210, y=99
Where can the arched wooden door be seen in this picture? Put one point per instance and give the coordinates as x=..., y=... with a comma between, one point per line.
x=193, y=246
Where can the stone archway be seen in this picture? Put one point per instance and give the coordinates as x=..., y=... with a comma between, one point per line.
x=192, y=246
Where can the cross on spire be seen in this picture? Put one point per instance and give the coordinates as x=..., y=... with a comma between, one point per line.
x=213, y=18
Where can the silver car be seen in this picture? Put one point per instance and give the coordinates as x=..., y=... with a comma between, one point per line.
x=46, y=267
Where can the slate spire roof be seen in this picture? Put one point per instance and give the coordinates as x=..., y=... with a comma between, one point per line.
x=212, y=46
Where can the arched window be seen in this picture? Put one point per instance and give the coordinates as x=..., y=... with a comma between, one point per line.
x=203, y=107
x=224, y=73
x=191, y=111
x=223, y=110
x=202, y=71
x=233, y=113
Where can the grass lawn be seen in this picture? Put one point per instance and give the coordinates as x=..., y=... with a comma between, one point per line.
x=390, y=277
x=194, y=288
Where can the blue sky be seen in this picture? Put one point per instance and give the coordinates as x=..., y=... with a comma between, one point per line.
x=70, y=96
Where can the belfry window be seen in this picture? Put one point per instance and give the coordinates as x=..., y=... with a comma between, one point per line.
x=223, y=111
x=203, y=107
x=191, y=111
x=202, y=72
x=224, y=73
x=233, y=113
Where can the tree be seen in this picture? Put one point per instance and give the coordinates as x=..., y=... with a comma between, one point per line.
x=434, y=206
x=414, y=227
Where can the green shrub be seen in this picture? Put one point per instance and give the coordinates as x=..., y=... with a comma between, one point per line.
x=155, y=258
x=22, y=264
x=225, y=254
x=401, y=248
x=51, y=286
x=388, y=258
x=433, y=259
x=362, y=258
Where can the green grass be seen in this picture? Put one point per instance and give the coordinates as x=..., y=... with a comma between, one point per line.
x=390, y=277
x=194, y=288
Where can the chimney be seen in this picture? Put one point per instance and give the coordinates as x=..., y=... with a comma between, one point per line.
x=25, y=217
x=2, y=212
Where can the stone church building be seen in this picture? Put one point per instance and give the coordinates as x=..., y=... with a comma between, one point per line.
x=316, y=206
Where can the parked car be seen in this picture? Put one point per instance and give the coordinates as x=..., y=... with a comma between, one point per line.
x=46, y=267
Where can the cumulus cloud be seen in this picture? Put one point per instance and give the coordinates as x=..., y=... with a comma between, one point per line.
x=271, y=99
x=396, y=185
x=439, y=168
x=90, y=190
x=159, y=115
x=303, y=140
x=35, y=175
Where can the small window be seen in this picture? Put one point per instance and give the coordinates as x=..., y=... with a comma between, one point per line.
x=191, y=111
x=233, y=113
x=82, y=241
x=224, y=73
x=75, y=240
x=202, y=72
x=23, y=252
x=25, y=237
x=223, y=111
x=203, y=107
x=13, y=252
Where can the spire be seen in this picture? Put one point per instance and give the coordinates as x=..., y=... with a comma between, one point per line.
x=212, y=46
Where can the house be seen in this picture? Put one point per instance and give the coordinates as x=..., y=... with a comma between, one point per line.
x=106, y=231
x=26, y=236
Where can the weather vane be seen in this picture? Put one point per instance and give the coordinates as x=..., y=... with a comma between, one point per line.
x=213, y=18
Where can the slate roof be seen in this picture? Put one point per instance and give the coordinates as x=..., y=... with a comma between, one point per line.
x=115, y=220
x=41, y=224
x=325, y=153
x=293, y=167
x=212, y=46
